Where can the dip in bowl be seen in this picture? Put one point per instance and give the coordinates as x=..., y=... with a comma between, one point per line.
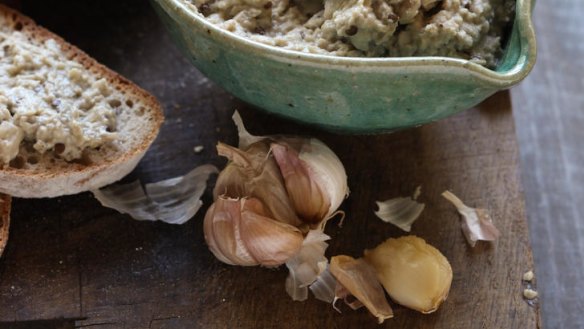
x=347, y=94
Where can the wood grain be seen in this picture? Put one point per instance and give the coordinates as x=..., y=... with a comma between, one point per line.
x=70, y=258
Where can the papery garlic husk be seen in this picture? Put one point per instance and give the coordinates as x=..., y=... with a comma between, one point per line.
x=173, y=201
x=238, y=232
x=254, y=173
x=414, y=273
x=305, y=266
x=314, y=176
x=360, y=279
x=401, y=212
x=323, y=288
x=341, y=293
x=476, y=224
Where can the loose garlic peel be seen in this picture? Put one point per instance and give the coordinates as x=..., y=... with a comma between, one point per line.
x=401, y=212
x=238, y=232
x=359, y=278
x=324, y=287
x=413, y=273
x=173, y=201
x=341, y=293
x=476, y=224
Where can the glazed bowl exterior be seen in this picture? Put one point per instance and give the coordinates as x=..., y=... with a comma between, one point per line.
x=351, y=95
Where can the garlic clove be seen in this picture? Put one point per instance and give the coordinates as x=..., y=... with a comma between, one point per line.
x=270, y=242
x=254, y=173
x=413, y=273
x=359, y=278
x=238, y=232
x=222, y=233
x=306, y=195
x=314, y=176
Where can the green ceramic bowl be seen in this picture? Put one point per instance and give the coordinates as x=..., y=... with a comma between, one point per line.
x=355, y=95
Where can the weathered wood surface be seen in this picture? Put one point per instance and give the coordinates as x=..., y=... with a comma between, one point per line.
x=70, y=258
x=549, y=114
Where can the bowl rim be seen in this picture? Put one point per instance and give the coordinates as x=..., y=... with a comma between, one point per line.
x=508, y=78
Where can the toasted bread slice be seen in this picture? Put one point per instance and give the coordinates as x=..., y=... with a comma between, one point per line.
x=5, y=205
x=35, y=173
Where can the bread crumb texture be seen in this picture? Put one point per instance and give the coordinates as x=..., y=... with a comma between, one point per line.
x=67, y=123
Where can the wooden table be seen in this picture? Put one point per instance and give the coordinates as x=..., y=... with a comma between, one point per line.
x=549, y=115
x=71, y=259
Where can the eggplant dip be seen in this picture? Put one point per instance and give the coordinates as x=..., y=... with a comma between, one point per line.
x=467, y=29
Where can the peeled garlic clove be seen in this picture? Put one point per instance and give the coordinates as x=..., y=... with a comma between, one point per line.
x=360, y=280
x=238, y=232
x=413, y=273
x=314, y=176
x=254, y=173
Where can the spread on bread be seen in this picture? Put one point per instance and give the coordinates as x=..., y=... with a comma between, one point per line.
x=50, y=101
x=67, y=123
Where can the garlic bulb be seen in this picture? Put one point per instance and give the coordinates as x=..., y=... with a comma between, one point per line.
x=294, y=186
x=238, y=232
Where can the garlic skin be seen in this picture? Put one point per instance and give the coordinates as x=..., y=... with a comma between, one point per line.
x=359, y=278
x=173, y=201
x=306, y=265
x=238, y=232
x=413, y=273
x=401, y=212
x=476, y=224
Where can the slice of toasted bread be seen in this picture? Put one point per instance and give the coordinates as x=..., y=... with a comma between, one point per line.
x=5, y=204
x=138, y=117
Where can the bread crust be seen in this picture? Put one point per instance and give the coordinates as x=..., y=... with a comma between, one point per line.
x=75, y=177
x=5, y=206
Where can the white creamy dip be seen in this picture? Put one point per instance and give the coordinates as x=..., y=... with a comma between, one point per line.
x=469, y=29
x=49, y=101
